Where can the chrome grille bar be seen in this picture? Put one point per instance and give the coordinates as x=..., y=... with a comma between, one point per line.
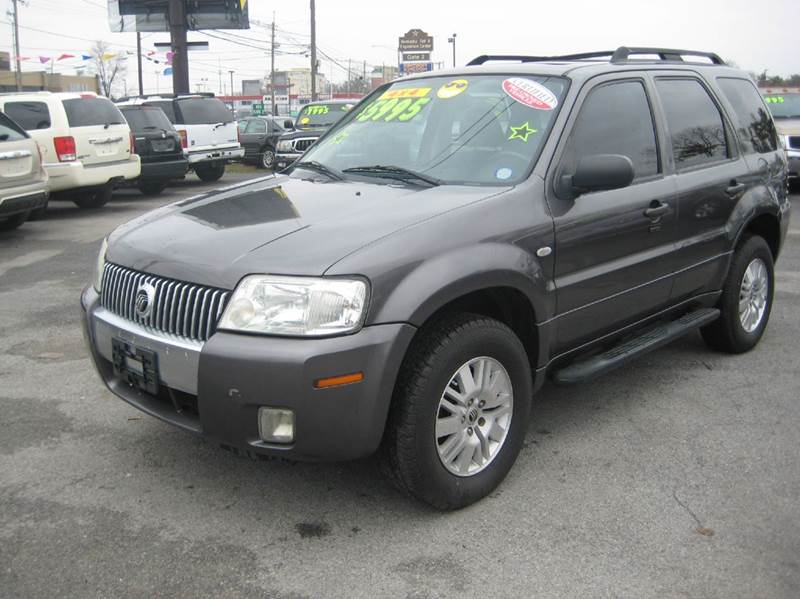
x=182, y=309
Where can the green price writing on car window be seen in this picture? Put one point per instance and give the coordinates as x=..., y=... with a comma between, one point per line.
x=314, y=110
x=774, y=99
x=391, y=109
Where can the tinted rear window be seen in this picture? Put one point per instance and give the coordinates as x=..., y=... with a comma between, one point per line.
x=754, y=124
x=203, y=111
x=167, y=107
x=9, y=130
x=29, y=115
x=92, y=111
x=142, y=118
x=695, y=123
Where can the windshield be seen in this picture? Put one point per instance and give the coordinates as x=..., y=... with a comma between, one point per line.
x=784, y=106
x=321, y=115
x=146, y=117
x=483, y=129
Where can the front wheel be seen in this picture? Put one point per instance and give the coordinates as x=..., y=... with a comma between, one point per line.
x=94, y=198
x=210, y=172
x=267, y=158
x=459, y=412
x=746, y=300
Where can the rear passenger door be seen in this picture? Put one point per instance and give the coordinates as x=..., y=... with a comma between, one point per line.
x=612, y=252
x=711, y=177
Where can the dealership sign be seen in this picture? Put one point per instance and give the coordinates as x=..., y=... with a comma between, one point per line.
x=416, y=40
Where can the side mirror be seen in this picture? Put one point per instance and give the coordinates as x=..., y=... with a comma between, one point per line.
x=600, y=172
x=288, y=124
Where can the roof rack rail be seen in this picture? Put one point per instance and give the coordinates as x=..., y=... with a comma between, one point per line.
x=619, y=56
x=165, y=95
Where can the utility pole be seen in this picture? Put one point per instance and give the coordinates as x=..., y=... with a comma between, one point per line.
x=232, y=94
x=272, y=66
x=364, y=76
x=313, y=51
x=17, y=61
x=139, y=62
x=219, y=72
x=349, y=75
x=452, y=40
x=180, y=56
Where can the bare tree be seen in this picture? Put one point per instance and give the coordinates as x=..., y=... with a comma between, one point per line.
x=110, y=67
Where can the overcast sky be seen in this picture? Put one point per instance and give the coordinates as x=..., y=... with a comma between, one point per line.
x=756, y=34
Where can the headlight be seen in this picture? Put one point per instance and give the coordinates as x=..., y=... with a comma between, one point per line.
x=99, y=266
x=284, y=146
x=296, y=306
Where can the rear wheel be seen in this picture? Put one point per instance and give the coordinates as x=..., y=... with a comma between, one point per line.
x=459, y=412
x=152, y=188
x=13, y=222
x=746, y=300
x=97, y=197
x=210, y=172
x=267, y=158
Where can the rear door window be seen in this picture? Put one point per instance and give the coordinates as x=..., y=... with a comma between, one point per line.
x=29, y=115
x=203, y=111
x=696, y=127
x=10, y=131
x=256, y=126
x=754, y=123
x=92, y=111
x=142, y=118
x=616, y=119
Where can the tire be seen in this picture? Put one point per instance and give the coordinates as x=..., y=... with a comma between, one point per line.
x=267, y=158
x=152, y=188
x=13, y=222
x=410, y=451
x=94, y=198
x=731, y=332
x=40, y=212
x=210, y=173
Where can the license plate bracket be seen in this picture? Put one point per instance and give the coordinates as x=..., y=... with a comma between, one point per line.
x=136, y=366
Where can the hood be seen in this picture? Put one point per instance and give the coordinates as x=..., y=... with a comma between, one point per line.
x=276, y=225
x=788, y=126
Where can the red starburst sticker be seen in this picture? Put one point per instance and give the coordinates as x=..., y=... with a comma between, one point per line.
x=530, y=93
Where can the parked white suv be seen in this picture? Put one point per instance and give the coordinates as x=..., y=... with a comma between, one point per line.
x=85, y=141
x=207, y=128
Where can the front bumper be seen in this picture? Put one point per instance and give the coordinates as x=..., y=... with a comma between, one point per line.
x=793, y=158
x=284, y=159
x=227, y=154
x=228, y=378
x=74, y=175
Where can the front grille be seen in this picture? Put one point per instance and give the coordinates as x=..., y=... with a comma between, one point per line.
x=301, y=145
x=183, y=309
x=794, y=142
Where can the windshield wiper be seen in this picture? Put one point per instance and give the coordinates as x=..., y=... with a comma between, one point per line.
x=394, y=172
x=313, y=165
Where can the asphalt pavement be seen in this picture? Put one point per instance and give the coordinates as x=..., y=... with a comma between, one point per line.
x=678, y=476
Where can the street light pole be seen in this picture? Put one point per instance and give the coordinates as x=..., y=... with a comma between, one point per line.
x=17, y=61
x=452, y=40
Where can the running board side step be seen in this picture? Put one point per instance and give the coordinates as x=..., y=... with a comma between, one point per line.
x=590, y=368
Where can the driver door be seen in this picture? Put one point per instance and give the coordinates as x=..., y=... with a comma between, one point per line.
x=612, y=255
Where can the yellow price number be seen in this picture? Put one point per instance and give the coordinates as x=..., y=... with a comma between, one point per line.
x=774, y=99
x=316, y=110
x=392, y=109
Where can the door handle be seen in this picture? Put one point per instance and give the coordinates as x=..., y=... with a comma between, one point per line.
x=735, y=188
x=656, y=210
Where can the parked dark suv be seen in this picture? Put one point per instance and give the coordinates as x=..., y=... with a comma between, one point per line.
x=312, y=121
x=158, y=145
x=452, y=241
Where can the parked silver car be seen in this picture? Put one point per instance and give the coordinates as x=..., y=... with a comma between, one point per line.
x=23, y=180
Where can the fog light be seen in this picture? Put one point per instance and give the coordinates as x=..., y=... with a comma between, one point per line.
x=276, y=425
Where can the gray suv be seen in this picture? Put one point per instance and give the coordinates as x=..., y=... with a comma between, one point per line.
x=457, y=238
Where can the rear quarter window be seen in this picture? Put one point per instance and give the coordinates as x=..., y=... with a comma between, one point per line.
x=9, y=130
x=167, y=107
x=29, y=115
x=753, y=121
x=92, y=111
x=203, y=111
